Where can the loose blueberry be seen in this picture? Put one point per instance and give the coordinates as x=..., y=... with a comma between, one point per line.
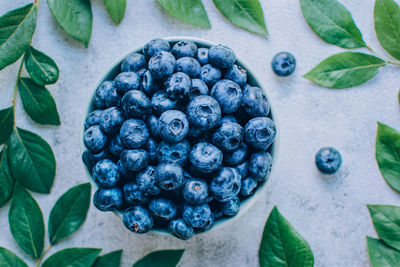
x=197, y=215
x=161, y=102
x=195, y=192
x=260, y=166
x=133, y=195
x=106, y=173
x=93, y=118
x=249, y=186
x=152, y=126
x=169, y=176
x=208, y=225
x=106, y=96
x=237, y=156
x=138, y=219
x=162, y=65
x=243, y=168
x=124, y=173
x=203, y=112
x=163, y=208
x=228, y=94
x=221, y=56
x=133, y=63
x=108, y=199
x=198, y=88
x=134, y=133
x=111, y=120
x=147, y=182
x=237, y=74
x=151, y=147
x=126, y=81
x=180, y=229
x=116, y=146
x=260, y=133
x=155, y=46
x=227, y=118
x=205, y=157
x=283, y=64
x=173, y=126
x=231, y=207
x=202, y=55
x=173, y=153
x=149, y=84
x=184, y=49
x=188, y=65
x=136, y=104
x=178, y=85
x=210, y=74
x=328, y=160
x=228, y=136
x=255, y=103
x=134, y=159
x=94, y=139
x=90, y=159
x=226, y=184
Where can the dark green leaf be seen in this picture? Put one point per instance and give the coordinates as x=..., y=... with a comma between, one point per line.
x=82, y=257
x=381, y=255
x=75, y=17
x=112, y=259
x=42, y=68
x=26, y=222
x=331, y=21
x=388, y=154
x=386, y=221
x=38, y=102
x=31, y=161
x=189, y=11
x=16, y=30
x=6, y=124
x=345, y=70
x=161, y=258
x=7, y=258
x=245, y=14
x=282, y=245
x=69, y=212
x=6, y=180
x=116, y=9
x=387, y=26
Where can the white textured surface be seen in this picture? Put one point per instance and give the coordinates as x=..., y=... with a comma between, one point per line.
x=329, y=212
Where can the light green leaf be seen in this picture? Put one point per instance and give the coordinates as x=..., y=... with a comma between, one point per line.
x=189, y=11
x=387, y=26
x=387, y=154
x=245, y=14
x=161, y=258
x=75, y=17
x=6, y=180
x=6, y=124
x=282, y=245
x=112, y=259
x=116, y=9
x=42, y=68
x=16, y=31
x=8, y=258
x=381, y=255
x=38, y=102
x=82, y=257
x=386, y=221
x=345, y=70
x=31, y=161
x=26, y=222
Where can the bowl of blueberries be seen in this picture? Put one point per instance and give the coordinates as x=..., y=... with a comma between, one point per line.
x=179, y=137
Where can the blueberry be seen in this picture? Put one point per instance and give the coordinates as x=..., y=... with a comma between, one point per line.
x=134, y=159
x=203, y=112
x=249, y=186
x=237, y=156
x=210, y=74
x=162, y=65
x=243, y=168
x=116, y=146
x=208, y=225
x=151, y=147
x=226, y=184
x=202, y=55
x=124, y=173
x=195, y=132
x=111, y=120
x=136, y=104
x=90, y=159
x=93, y=118
x=133, y=195
x=152, y=126
x=180, y=229
x=198, y=88
x=205, y=157
x=133, y=62
x=237, y=74
x=228, y=136
x=169, y=176
x=255, y=103
x=147, y=182
x=161, y=102
x=94, y=139
x=260, y=133
x=141, y=72
x=221, y=56
x=106, y=173
x=184, y=49
x=195, y=192
x=283, y=64
x=149, y=84
x=155, y=46
x=106, y=96
x=178, y=85
x=138, y=219
x=173, y=153
x=227, y=118
x=228, y=94
x=108, y=199
x=126, y=81
x=328, y=160
x=134, y=133
x=231, y=207
x=188, y=65
x=163, y=208
x=197, y=215
x=173, y=126
x=260, y=166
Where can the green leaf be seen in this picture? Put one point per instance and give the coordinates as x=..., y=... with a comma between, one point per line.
x=161, y=258
x=245, y=14
x=112, y=259
x=282, y=245
x=6, y=180
x=81, y=257
x=116, y=9
x=6, y=124
x=38, y=102
x=69, y=212
x=381, y=255
x=387, y=154
x=42, y=68
x=386, y=221
x=26, y=222
x=189, y=11
x=345, y=70
x=7, y=258
x=75, y=17
x=331, y=21
x=31, y=161
x=16, y=31
x=387, y=26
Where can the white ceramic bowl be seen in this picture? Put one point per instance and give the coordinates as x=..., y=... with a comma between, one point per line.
x=112, y=72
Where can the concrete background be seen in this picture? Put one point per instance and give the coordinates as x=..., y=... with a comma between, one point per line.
x=330, y=212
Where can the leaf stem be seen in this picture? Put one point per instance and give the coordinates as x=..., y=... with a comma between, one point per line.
x=38, y=261
x=14, y=97
x=388, y=61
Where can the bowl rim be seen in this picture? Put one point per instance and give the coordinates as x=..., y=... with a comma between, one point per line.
x=274, y=149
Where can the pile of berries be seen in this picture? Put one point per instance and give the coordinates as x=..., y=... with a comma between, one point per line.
x=178, y=139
